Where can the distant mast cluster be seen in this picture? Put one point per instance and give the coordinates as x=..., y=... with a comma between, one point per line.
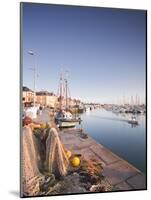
x=132, y=100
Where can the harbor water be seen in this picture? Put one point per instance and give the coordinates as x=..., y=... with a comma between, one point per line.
x=115, y=133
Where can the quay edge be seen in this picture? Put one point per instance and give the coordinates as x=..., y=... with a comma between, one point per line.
x=118, y=172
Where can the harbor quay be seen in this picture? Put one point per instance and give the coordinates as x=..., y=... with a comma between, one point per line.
x=120, y=174
x=117, y=171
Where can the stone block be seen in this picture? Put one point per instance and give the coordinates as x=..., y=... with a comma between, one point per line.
x=123, y=186
x=119, y=172
x=138, y=181
x=104, y=154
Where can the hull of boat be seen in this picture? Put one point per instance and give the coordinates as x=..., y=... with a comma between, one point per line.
x=133, y=122
x=66, y=124
x=81, y=110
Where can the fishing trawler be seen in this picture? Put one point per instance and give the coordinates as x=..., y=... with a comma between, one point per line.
x=64, y=118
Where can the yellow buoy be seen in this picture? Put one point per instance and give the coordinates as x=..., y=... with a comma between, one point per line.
x=75, y=161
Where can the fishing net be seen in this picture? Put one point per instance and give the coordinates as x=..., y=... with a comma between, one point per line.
x=31, y=176
x=56, y=160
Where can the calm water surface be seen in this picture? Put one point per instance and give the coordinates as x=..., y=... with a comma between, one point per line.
x=114, y=132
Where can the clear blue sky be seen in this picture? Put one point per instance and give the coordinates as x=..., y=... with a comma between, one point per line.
x=103, y=50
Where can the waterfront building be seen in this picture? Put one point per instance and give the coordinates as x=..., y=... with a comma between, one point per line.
x=45, y=98
x=27, y=96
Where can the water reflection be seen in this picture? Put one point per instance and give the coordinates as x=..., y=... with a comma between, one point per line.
x=113, y=131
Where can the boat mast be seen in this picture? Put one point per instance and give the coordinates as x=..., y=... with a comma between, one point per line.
x=66, y=92
x=123, y=100
x=132, y=102
x=61, y=92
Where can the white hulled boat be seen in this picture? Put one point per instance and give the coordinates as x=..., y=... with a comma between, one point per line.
x=133, y=120
x=64, y=118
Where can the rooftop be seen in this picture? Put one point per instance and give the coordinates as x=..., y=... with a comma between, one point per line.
x=45, y=93
x=26, y=89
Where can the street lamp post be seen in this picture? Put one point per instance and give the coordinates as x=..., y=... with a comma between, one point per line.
x=34, y=69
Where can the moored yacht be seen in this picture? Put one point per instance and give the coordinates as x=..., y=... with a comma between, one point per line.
x=64, y=118
x=133, y=120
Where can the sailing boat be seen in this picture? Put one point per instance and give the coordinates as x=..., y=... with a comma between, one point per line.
x=64, y=118
x=133, y=120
